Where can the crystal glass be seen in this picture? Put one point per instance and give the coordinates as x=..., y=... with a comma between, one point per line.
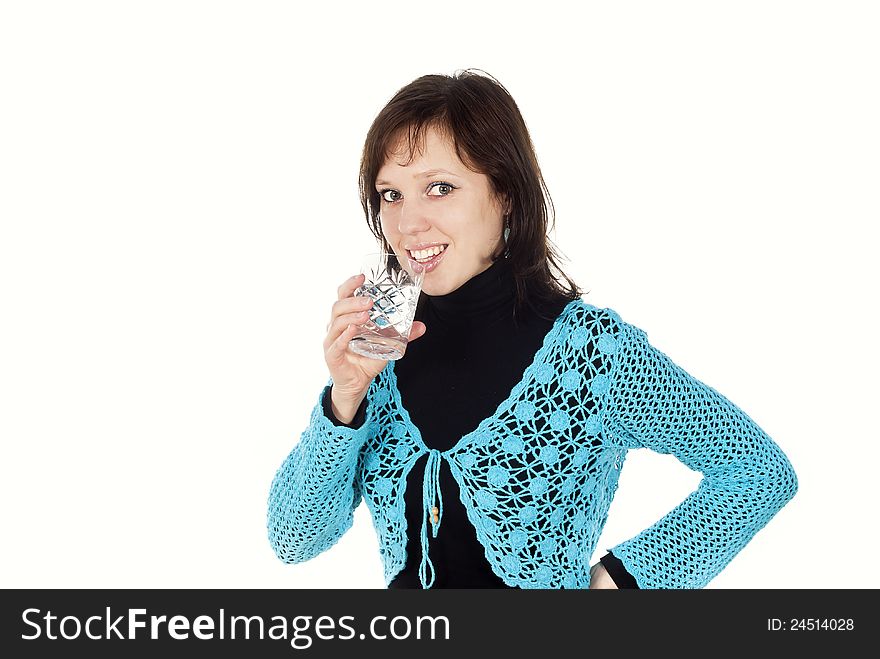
x=394, y=284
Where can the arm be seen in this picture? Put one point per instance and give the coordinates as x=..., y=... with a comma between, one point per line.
x=617, y=572
x=355, y=423
x=600, y=579
x=609, y=573
x=747, y=479
x=314, y=493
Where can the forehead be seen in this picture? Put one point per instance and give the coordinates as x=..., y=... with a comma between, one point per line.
x=436, y=151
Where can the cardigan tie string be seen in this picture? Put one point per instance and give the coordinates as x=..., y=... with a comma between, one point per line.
x=430, y=494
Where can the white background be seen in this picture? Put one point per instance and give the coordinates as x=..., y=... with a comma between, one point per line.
x=178, y=197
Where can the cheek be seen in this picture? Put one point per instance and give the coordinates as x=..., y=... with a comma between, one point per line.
x=389, y=228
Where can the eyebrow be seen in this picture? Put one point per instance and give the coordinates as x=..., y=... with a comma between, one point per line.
x=425, y=174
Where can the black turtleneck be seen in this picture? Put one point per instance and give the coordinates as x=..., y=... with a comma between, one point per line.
x=466, y=364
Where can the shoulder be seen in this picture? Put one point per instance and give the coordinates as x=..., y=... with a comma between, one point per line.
x=579, y=313
x=585, y=323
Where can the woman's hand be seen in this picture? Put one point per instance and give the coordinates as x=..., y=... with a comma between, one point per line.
x=352, y=373
x=600, y=579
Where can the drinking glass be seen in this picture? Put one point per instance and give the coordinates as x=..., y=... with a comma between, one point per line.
x=394, y=284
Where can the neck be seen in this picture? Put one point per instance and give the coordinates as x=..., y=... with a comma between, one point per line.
x=485, y=297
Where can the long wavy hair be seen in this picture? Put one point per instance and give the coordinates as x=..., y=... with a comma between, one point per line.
x=490, y=137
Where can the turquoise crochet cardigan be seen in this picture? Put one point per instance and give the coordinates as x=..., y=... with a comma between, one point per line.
x=538, y=477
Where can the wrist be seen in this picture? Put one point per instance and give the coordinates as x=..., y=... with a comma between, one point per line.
x=344, y=409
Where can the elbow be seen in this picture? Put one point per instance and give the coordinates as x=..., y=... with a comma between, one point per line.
x=280, y=543
x=783, y=482
x=284, y=555
x=287, y=547
x=297, y=543
x=287, y=544
x=780, y=482
x=789, y=482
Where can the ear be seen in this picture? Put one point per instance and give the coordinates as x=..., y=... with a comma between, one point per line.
x=506, y=206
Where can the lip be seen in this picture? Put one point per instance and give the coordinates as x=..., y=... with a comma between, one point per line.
x=429, y=265
x=416, y=248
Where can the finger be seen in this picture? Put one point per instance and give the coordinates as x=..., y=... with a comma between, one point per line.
x=340, y=323
x=349, y=286
x=348, y=305
x=338, y=347
x=415, y=331
x=418, y=329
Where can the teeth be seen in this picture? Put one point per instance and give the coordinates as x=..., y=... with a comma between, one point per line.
x=427, y=253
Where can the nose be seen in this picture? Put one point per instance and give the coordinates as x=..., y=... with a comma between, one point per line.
x=412, y=218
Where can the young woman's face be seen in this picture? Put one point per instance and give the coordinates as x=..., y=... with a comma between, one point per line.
x=421, y=205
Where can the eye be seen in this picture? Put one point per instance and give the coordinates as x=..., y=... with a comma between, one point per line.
x=445, y=188
x=387, y=195
x=390, y=196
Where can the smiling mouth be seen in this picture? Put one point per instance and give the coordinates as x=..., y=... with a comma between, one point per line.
x=428, y=263
x=426, y=256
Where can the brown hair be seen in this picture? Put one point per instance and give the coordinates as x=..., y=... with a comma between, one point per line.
x=490, y=137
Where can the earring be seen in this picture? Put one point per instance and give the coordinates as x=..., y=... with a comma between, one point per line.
x=506, y=234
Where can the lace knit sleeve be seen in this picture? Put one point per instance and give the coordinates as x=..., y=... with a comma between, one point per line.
x=747, y=479
x=314, y=493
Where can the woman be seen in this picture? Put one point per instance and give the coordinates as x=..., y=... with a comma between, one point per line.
x=490, y=453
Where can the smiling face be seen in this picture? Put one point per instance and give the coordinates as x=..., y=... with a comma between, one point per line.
x=436, y=199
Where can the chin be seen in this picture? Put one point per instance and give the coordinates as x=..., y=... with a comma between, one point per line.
x=444, y=279
x=430, y=289
x=435, y=285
